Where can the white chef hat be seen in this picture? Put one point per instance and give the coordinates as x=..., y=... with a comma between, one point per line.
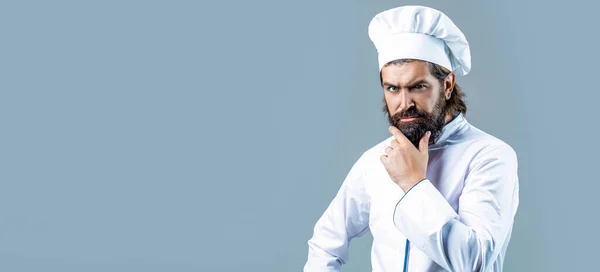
x=418, y=32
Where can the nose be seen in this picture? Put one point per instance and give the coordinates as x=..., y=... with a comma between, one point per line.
x=406, y=100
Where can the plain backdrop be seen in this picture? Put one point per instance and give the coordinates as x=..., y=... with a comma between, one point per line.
x=211, y=135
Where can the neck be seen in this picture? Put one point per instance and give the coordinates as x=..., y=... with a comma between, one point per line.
x=449, y=117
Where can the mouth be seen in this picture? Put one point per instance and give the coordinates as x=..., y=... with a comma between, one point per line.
x=408, y=119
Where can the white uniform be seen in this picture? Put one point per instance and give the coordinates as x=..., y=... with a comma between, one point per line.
x=458, y=219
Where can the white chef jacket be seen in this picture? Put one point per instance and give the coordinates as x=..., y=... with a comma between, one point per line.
x=459, y=218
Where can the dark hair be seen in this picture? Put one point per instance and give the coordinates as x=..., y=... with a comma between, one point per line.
x=456, y=102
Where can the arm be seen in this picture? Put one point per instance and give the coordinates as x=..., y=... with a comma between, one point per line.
x=346, y=217
x=472, y=239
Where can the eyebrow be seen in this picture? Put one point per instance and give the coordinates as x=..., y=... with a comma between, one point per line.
x=422, y=81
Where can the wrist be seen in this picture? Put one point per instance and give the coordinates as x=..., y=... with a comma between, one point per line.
x=413, y=181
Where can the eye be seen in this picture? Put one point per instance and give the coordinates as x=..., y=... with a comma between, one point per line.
x=419, y=86
x=392, y=88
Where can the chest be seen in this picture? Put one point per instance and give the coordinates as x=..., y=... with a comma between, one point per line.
x=447, y=173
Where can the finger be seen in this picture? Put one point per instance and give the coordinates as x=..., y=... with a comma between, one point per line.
x=388, y=150
x=399, y=135
x=383, y=159
x=395, y=144
x=424, y=143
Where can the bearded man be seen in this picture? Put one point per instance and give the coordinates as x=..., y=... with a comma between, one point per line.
x=438, y=194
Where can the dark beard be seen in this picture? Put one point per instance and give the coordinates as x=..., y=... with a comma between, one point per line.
x=415, y=130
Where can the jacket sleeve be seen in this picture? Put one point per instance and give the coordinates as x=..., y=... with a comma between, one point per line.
x=346, y=217
x=471, y=239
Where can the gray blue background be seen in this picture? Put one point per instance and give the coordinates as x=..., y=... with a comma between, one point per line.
x=211, y=135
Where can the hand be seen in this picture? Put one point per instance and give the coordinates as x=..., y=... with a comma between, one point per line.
x=406, y=164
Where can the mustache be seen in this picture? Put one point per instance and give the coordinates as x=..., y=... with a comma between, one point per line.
x=411, y=112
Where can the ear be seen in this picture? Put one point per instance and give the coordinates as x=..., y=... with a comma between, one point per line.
x=449, y=85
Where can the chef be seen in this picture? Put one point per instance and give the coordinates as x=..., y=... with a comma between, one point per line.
x=439, y=194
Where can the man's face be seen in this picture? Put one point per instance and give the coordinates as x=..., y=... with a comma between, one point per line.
x=414, y=99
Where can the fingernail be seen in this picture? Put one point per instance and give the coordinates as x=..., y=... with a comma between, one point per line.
x=428, y=133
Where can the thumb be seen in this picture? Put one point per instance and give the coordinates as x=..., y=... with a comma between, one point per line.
x=424, y=144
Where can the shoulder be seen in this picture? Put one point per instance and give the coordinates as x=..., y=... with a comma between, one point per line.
x=377, y=150
x=487, y=147
x=370, y=157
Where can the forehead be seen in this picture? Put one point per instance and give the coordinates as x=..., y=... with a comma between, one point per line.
x=406, y=73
